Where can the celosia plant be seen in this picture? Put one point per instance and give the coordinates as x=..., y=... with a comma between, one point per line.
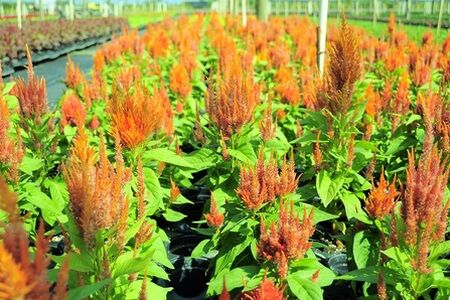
x=288, y=240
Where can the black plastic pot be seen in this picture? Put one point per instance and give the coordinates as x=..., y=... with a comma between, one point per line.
x=7, y=70
x=339, y=291
x=190, y=276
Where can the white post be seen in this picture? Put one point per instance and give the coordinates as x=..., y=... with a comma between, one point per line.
x=41, y=9
x=408, y=9
x=375, y=11
x=286, y=8
x=19, y=13
x=322, y=35
x=2, y=10
x=72, y=10
x=441, y=11
x=244, y=13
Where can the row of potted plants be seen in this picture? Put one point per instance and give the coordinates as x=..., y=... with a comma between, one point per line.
x=207, y=159
x=45, y=37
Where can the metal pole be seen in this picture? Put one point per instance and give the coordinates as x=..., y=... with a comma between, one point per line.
x=322, y=33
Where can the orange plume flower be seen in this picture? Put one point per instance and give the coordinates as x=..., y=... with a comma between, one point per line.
x=258, y=184
x=402, y=102
x=267, y=126
x=424, y=208
x=180, y=82
x=14, y=281
x=20, y=276
x=231, y=104
x=279, y=55
x=174, y=190
x=156, y=41
x=214, y=218
x=127, y=77
x=135, y=116
x=287, y=86
x=72, y=111
x=317, y=153
x=381, y=200
x=287, y=239
x=267, y=290
x=373, y=105
x=344, y=69
x=11, y=152
x=32, y=95
x=74, y=76
x=97, y=200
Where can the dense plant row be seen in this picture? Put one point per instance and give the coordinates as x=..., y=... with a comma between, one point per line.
x=53, y=34
x=287, y=184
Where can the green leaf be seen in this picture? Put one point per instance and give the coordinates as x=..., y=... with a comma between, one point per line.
x=439, y=250
x=160, y=253
x=8, y=86
x=156, y=292
x=127, y=264
x=365, y=250
x=244, y=153
x=306, y=267
x=154, y=187
x=319, y=215
x=397, y=255
x=79, y=263
x=30, y=164
x=369, y=274
x=327, y=189
x=154, y=270
x=353, y=208
x=233, y=278
x=202, y=159
x=442, y=283
x=50, y=209
x=83, y=292
x=303, y=288
x=231, y=250
x=167, y=156
x=173, y=216
x=398, y=144
x=70, y=132
x=132, y=231
x=202, y=249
